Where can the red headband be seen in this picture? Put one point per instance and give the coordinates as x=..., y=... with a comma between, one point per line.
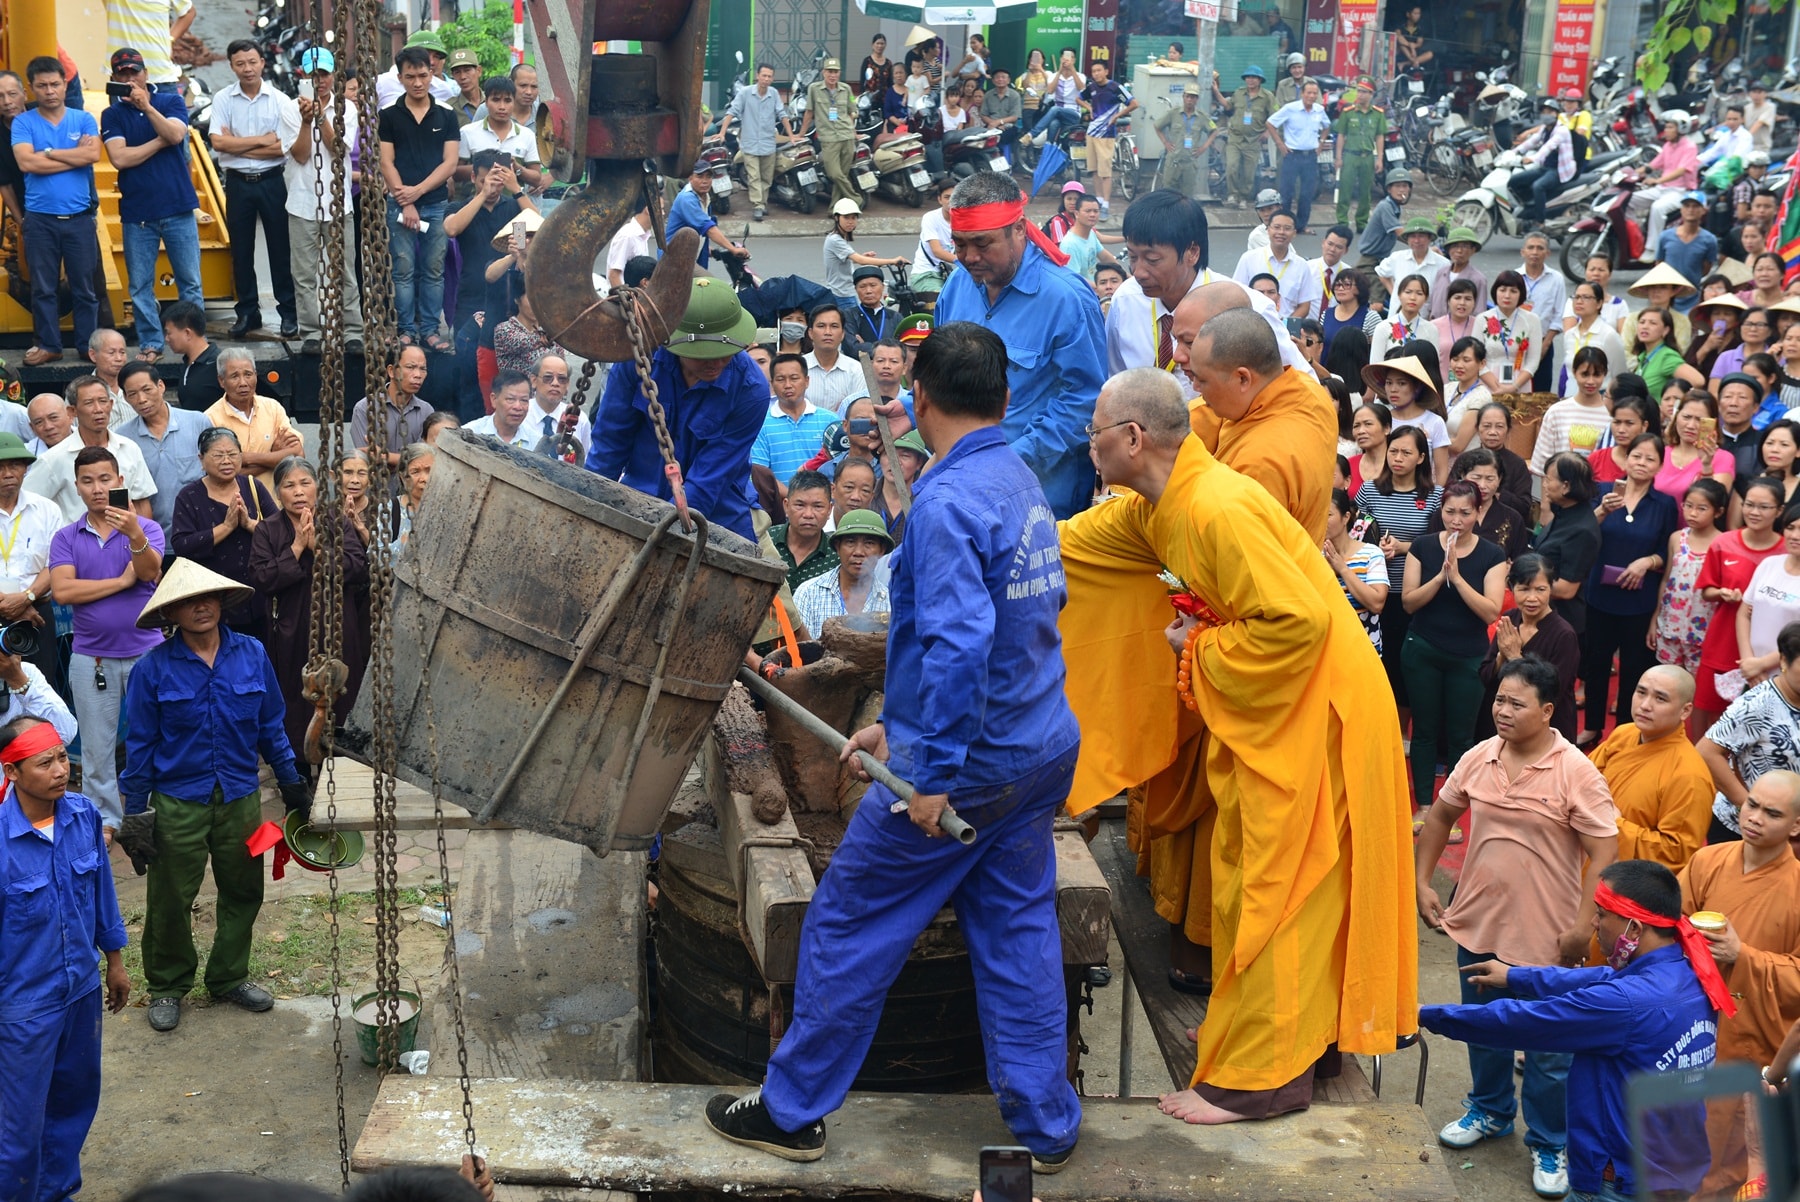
x=1693, y=945
x=37, y=740
x=999, y=214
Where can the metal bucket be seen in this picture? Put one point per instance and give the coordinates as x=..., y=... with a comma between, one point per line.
x=514, y=562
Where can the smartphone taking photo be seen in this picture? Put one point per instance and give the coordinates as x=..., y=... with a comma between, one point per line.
x=1005, y=1175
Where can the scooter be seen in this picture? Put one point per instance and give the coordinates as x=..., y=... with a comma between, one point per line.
x=716, y=158
x=1609, y=229
x=1491, y=208
x=862, y=170
x=798, y=180
x=899, y=162
x=967, y=151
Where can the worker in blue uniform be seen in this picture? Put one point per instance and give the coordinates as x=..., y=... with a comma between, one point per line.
x=1015, y=283
x=714, y=400
x=975, y=718
x=1653, y=1009
x=56, y=906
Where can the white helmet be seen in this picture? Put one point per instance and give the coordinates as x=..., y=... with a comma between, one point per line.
x=1681, y=119
x=1294, y=58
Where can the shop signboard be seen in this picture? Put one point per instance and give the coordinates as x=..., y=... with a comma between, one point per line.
x=1571, y=51
x=1353, y=18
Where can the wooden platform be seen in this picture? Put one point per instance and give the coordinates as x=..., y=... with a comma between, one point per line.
x=1144, y=939
x=652, y=1137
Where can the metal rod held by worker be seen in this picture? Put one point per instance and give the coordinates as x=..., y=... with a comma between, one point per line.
x=948, y=822
x=890, y=454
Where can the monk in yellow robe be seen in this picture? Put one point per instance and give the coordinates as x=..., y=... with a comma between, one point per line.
x=1658, y=781
x=1279, y=429
x=1315, y=940
x=1756, y=885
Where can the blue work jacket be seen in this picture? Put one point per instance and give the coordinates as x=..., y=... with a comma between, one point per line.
x=57, y=906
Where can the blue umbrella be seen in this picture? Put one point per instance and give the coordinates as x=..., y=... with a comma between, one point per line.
x=1050, y=161
x=780, y=294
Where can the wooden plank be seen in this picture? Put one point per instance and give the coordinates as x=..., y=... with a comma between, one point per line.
x=640, y=1137
x=775, y=882
x=1144, y=939
x=549, y=943
x=355, y=784
x=557, y=1193
x=1083, y=901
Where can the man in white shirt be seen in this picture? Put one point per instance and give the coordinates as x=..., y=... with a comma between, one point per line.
x=498, y=131
x=51, y=419
x=549, y=404
x=1298, y=128
x=935, y=253
x=1267, y=202
x=388, y=87
x=312, y=181
x=1545, y=296
x=106, y=351
x=253, y=128
x=1729, y=140
x=832, y=377
x=1759, y=116
x=511, y=395
x=27, y=524
x=1166, y=235
x=53, y=475
x=1294, y=278
x=634, y=238
x=1330, y=263
x=1417, y=257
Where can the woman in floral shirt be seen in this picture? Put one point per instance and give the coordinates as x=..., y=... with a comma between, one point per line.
x=1514, y=336
x=1681, y=613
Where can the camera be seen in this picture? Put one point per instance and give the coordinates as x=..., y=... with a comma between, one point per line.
x=19, y=638
x=120, y=90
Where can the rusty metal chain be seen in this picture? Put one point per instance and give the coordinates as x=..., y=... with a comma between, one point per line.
x=641, y=350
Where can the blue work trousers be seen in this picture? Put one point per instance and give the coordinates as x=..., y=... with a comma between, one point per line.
x=49, y=1094
x=886, y=883
x=1545, y=1088
x=1299, y=184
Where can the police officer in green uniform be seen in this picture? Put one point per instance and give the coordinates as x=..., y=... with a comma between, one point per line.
x=1247, y=113
x=1187, y=135
x=1360, y=130
x=832, y=106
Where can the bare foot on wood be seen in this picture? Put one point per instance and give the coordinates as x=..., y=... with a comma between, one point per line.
x=1190, y=1107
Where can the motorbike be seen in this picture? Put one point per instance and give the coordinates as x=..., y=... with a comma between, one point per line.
x=716, y=158
x=198, y=98
x=967, y=151
x=900, y=173
x=798, y=182
x=1610, y=229
x=1440, y=160
x=1464, y=155
x=1605, y=84
x=1491, y=208
x=1501, y=106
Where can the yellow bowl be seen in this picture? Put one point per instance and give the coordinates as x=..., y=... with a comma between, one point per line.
x=1708, y=920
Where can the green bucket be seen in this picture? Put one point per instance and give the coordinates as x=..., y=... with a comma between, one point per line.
x=368, y=1036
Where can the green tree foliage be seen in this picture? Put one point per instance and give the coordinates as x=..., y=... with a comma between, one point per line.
x=488, y=32
x=1680, y=25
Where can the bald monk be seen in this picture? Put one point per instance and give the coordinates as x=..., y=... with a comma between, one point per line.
x=1278, y=430
x=1277, y=426
x=1659, y=782
x=1315, y=942
x=1755, y=883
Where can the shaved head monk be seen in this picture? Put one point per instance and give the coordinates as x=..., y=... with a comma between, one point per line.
x=1203, y=304
x=1755, y=883
x=1303, y=777
x=1278, y=426
x=1659, y=782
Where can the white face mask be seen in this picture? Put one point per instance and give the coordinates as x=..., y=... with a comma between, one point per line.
x=792, y=331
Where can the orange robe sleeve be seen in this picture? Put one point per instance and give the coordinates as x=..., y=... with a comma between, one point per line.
x=1664, y=794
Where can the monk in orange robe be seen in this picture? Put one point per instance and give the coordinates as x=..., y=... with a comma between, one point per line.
x=1279, y=429
x=1756, y=885
x=1315, y=940
x=1659, y=782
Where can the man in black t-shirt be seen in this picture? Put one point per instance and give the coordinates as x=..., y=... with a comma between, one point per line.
x=12, y=180
x=420, y=140
x=184, y=332
x=497, y=201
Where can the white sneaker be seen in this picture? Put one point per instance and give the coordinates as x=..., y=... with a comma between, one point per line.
x=1037, y=139
x=1550, y=1172
x=1474, y=1126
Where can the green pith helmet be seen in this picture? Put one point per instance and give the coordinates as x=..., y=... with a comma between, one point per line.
x=913, y=441
x=865, y=522
x=715, y=325
x=1461, y=233
x=430, y=40
x=1419, y=225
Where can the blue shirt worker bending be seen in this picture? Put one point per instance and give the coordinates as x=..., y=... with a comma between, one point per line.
x=1653, y=1009
x=56, y=906
x=201, y=706
x=1015, y=283
x=975, y=718
x=714, y=399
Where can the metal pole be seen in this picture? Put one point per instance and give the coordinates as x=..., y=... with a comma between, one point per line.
x=1206, y=42
x=816, y=726
x=1128, y=1000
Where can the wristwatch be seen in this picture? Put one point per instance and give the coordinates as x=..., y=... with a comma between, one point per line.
x=31, y=596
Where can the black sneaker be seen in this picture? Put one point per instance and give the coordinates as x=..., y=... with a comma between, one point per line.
x=746, y=1121
x=1049, y=1166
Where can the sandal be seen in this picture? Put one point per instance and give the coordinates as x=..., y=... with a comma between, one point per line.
x=37, y=356
x=440, y=344
x=1190, y=983
x=150, y=354
x=1456, y=836
x=408, y=340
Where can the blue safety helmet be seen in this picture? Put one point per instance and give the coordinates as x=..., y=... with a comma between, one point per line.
x=1254, y=72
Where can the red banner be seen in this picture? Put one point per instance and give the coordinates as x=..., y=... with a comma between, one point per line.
x=1572, y=50
x=1353, y=16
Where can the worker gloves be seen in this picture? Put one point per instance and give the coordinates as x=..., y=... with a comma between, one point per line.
x=137, y=838
x=298, y=799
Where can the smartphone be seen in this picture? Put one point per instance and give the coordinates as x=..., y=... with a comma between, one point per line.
x=1709, y=430
x=1719, y=327
x=306, y=89
x=121, y=90
x=118, y=498
x=1005, y=1175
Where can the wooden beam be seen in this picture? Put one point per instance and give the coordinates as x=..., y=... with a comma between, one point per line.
x=1083, y=901
x=355, y=788
x=628, y=1136
x=775, y=880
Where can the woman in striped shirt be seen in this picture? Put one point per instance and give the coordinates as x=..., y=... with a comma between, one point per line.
x=1401, y=499
x=1359, y=565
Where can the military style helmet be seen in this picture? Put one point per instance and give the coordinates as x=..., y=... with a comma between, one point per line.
x=715, y=325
